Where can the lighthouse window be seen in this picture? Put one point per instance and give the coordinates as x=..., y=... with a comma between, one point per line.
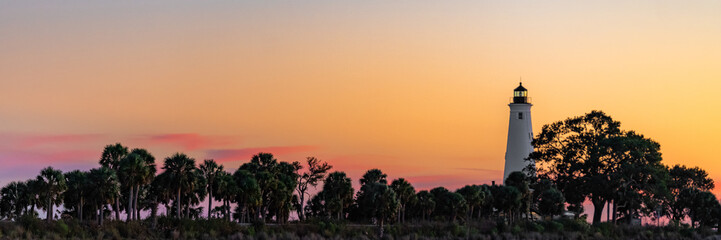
x=520, y=115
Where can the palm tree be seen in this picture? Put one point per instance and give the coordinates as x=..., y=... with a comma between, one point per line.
x=53, y=184
x=180, y=169
x=248, y=195
x=364, y=197
x=337, y=193
x=112, y=154
x=406, y=195
x=33, y=195
x=77, y=182
x=374, y=176
x=426, y=203
x=194, y=192
x=146, y=177
x=132, y=171
x=159, y=190
x=11, y=200
x=384, y=203
x=224, y=190
x=105, y=187
x=277, y=181
x=473, y=196
x=210, y=171
x=520, y=181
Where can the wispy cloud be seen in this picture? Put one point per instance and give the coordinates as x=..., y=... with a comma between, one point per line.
x=48, y=157
x=227, y=155
x=188, y=141
x=23, y=141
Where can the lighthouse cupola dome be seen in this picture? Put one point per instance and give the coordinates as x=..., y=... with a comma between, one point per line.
x=520, y=94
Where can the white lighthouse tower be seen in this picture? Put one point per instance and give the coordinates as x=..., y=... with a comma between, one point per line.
x=520, y=133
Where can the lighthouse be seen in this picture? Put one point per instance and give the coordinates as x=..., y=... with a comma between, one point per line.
x=520, y=134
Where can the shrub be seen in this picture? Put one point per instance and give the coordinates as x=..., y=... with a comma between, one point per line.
x=61, y=228
x=575, y=225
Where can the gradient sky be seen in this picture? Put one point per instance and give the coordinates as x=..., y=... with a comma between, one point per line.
x=417, y=88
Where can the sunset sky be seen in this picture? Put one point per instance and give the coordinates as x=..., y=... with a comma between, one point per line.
x=418, y=89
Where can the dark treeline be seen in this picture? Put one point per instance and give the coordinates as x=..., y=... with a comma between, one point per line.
x=582, y=158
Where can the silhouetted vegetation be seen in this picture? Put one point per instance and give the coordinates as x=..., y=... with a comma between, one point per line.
x=585, y=158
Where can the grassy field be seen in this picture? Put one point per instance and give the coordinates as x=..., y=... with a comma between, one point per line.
x=168, y=228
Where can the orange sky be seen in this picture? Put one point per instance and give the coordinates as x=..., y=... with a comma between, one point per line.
x=418, y=89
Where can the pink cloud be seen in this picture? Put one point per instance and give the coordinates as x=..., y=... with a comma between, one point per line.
x=228, y=155
x=189, y=141
x=15, y=141
x=22, y=157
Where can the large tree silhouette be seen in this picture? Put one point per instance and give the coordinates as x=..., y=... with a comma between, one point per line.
x=684, y=180
x=572, y=153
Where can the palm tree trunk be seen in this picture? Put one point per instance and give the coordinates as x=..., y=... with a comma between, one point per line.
x=117, y=207
x=380, y=221
x=246, y=213
x=154, y=212
x=242, y=214
x=340, y=216
x=178, y=204
x=226, y=209
x=187, y=209
x=210, y=199
x=259, y=212
x=82, y=203
x=614, y=213
x=129, y=208
x=398, y=215
x=101, y=216
x=470, y=217
x=80, y=211
x=49, y=216
x=135, y=203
